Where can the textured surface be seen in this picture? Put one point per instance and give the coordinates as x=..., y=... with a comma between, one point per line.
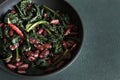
x=100, y=53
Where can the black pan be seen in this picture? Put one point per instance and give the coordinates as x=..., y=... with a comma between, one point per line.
x=56, y=5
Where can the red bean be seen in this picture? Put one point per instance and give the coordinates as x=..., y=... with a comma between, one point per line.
x=18, y=63
x=13, y=47
x=41, y=30
x=67, y=44
x=73, y=27
x=17, y=44
x=36, y=54
x=47, y=46
x=74, y=33
x=36, y=45
x=41, y=56
x=23, y=67
x=64, y=44
x=45, y=32
x=44, y=54
x=11, y=66
x=8, y=60
x=28, y=53
x=40, y=47
x=54, y=21
x=45, y=15
x=37, y=51
x=29, y=6
x=67, y=32
x=32, y=41
x=13, y=12
x=36, y=41
x=70, y=43
x=22, y=71
x=31, y=58
x=32, y=55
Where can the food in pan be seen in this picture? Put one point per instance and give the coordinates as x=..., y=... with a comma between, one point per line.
x=35, y=39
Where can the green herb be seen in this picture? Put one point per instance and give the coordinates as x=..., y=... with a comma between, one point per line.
x=41, y=63
x=15, y=39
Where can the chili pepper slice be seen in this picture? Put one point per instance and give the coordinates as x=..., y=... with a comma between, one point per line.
x=16, y=29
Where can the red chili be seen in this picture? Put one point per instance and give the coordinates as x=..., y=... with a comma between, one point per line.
x=16, y=29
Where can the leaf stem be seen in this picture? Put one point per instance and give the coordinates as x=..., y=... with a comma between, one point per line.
x=19, y=10
x=17, y=54
x=29, y=27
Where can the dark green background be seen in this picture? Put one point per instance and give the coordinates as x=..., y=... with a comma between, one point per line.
x=99, y=58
